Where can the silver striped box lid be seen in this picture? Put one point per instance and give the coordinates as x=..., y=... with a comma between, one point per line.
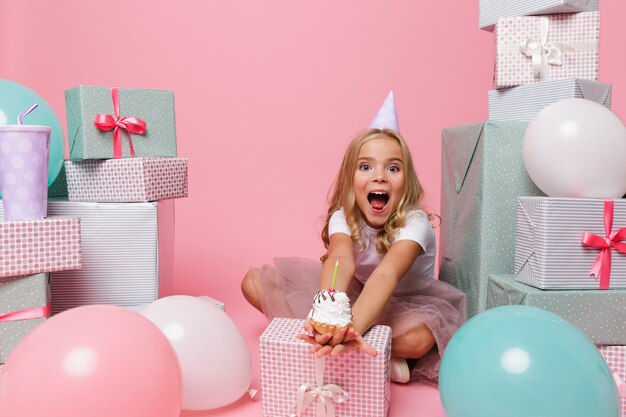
x=489, y=11
x=525, y=101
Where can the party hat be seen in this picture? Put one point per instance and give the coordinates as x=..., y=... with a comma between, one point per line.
x=386, y=118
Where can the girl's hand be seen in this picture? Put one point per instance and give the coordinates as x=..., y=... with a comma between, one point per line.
x=343, y=341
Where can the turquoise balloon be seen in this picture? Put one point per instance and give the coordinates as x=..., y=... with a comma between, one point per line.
x=14, y=99
x=520, y=361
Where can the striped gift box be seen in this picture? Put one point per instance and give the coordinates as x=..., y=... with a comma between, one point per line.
x=615, y=357
x=127, y=250
x=287, y=366
x=525, y=101
x=523, y=42
x=126, y=180
x=489, y=11
x=548, y=249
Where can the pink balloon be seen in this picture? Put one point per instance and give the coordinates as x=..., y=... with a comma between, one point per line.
x=213, y=354
x=97, y=361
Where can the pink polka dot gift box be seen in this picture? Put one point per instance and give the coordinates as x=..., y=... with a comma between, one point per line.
x=294, y=382
x=35, y=246
x=531, y=49
x=126, y=180
x=615, y=357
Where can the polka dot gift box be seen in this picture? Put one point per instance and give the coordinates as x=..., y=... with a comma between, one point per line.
x=615, y=357
x=126, y=179
x=600, y=315
x=353, y=384
x=24, y=303
x=530, y=49
x=34, y=246
x=482, y=175
x=111, y=122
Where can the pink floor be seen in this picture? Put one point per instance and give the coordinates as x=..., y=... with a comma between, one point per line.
x=406, y=400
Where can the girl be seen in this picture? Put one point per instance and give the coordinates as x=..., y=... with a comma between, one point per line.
x=385, y=244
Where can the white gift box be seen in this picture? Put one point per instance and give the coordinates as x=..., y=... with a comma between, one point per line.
x=549, y=253
x=489, y=11
x=525, y=101
x=127, y=249
x=531, y=49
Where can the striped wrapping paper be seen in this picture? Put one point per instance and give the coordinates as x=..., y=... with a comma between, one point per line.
x=525, y=101
x=615, y=357
x=127, y=251
x=575, y=35
x=548, y=249
x=287, y=365
x=489, y=11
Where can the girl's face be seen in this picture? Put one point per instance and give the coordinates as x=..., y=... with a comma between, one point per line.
x=379, y=180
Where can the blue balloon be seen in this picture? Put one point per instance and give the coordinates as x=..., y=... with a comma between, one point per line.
x=14, y=99
x=520, y=361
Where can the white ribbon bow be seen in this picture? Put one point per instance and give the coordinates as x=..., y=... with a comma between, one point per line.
x=326, y=394
x=542, y=52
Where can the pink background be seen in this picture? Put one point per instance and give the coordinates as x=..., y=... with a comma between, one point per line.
x=268, y=95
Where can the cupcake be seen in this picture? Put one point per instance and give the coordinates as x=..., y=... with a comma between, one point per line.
x=331, y=312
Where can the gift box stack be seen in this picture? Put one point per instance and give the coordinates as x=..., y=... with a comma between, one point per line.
x=31, y=249
x=121, y=178
x=504, y=241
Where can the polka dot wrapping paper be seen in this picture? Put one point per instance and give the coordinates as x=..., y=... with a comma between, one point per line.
x=287, y=365
x=575, y=35
x=126, y=179
x=615, y=357
x=18, y=294
x=601, y=315
x=548, y=249
x=483, y=173
x=34, y=246
x=154, y=107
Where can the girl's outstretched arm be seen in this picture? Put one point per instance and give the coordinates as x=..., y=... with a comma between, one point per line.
x=340, y=248
x=380, y=286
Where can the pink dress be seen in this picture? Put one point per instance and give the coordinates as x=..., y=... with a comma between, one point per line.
x=287, y=288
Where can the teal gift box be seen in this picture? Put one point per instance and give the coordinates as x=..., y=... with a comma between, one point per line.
x=24, y=303
x=601, y=315
x=482, y=175
x=154, y=107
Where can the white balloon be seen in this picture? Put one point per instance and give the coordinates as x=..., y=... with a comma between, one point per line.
x=576, y=148
x=215, y=362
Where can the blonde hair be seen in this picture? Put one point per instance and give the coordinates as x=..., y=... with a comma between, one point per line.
x=343, y=196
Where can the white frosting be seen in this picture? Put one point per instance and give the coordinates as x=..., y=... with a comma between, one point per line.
x=331, y=308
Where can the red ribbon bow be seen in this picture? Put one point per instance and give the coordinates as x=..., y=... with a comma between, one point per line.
x=129, y=125
x=602, y=264
x=31, y=313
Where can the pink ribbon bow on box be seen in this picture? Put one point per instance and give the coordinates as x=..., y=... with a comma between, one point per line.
x=327, y=395
x=127, y=124
x=602, y=264
x=30, y=313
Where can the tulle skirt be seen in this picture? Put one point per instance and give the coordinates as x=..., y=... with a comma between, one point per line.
x=286, y=289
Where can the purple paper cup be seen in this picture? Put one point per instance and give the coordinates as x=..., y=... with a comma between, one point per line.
x=24, y=153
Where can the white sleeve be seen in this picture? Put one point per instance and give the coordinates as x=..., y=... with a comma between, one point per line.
x=338, y=224
x=418, y=229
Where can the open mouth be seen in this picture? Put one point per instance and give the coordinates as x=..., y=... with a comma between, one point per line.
x=378, y=200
